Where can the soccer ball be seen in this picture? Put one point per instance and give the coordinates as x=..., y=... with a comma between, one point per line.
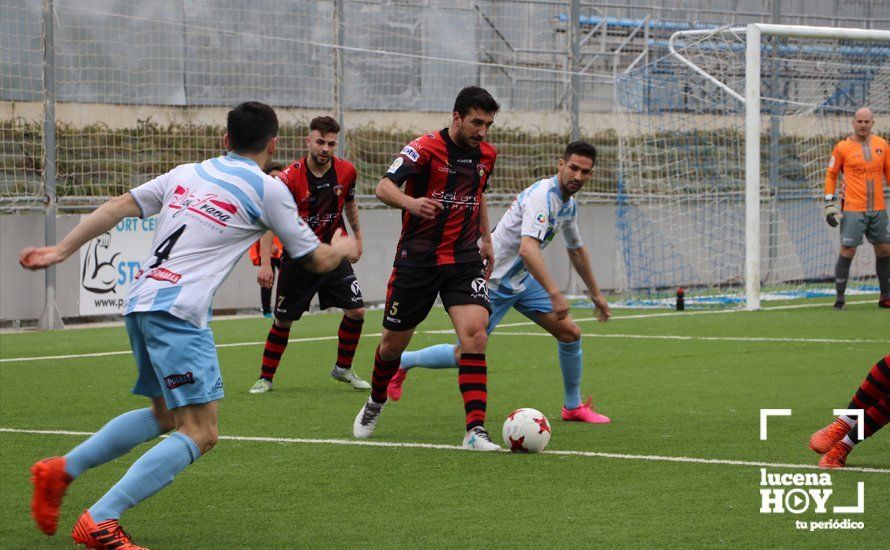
x=526, y=430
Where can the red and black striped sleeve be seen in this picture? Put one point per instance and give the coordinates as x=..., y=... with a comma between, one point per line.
x=411, y=161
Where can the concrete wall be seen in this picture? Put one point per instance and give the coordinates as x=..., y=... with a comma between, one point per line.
x=22, y=292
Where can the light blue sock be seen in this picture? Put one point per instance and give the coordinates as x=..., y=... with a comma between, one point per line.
x=152, y=472
x=434, y=357
x=570, y=363
x=115, y=439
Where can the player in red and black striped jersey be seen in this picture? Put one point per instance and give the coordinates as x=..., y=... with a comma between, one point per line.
x=444, y=218
x=323, y=187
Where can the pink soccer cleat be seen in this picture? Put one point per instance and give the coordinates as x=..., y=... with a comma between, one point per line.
x=394, y=390
x=585, y=413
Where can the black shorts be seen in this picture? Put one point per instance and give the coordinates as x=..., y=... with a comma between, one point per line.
x=412, y=291
x=297, y=286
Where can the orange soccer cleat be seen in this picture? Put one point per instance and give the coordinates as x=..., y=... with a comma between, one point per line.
x=836, y=457
x=50, y=483
x=823, y=440
x=107, y=534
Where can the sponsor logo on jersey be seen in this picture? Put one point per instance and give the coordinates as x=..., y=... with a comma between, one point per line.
x=176, y=380
x=208, y=206
x=465, y=161
x=321, y=219
x=455, y=200
x=163, y=274
x=411, y=153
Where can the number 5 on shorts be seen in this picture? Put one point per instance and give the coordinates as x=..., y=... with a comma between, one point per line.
x=394, y=310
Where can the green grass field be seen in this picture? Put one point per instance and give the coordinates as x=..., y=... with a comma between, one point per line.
x=677, y=385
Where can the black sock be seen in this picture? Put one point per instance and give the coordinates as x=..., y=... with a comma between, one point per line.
x=266, y=299
x=882, y=267
x=841, y=274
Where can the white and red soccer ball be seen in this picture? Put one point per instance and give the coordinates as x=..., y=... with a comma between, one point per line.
x=526, y=430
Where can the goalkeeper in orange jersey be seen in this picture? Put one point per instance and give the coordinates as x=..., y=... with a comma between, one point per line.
x=836, y=440
x=864, y=159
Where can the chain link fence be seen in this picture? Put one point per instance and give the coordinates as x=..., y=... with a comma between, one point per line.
x=132, y=90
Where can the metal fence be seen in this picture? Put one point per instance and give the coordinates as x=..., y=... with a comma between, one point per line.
x=98, y=97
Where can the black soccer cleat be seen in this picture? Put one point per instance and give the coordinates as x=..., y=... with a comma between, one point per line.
x=839, y=305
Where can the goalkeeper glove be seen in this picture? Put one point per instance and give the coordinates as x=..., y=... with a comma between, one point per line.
x=832, y=214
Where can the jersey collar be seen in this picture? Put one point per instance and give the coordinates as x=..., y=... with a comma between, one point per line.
x=237, y=157
x=557, y=191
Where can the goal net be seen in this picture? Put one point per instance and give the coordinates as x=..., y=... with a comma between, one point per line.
x=682, y=216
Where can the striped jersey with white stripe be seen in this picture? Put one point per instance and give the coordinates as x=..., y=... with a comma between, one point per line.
x=209, y=214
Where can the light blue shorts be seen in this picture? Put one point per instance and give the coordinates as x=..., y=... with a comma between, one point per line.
x=528, y=302
x=175, y=359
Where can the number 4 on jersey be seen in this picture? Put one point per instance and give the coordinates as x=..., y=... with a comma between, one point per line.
x=162, y=252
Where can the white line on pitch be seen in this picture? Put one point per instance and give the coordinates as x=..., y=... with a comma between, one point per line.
x=129, y=352
x=433, y=446
x=711, y=338
x=688, y=313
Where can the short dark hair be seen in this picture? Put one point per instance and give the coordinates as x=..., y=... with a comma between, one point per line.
x=250, y=126
x=580, y=148
x=474, y=97
x=273, y=165
x=325, y=125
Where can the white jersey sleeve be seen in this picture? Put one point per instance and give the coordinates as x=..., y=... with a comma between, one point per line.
x=150, y=195
x=282, y=217
x=536, y=214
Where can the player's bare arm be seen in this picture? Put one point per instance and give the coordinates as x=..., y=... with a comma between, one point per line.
x=581, y=262
x=530, y=252
x=390, y=194
x=486, y=249
x=265, y=275
x=98, y=222
x=350, y=210
x=328, y=256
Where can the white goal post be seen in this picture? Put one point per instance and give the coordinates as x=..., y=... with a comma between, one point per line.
x=754, y=37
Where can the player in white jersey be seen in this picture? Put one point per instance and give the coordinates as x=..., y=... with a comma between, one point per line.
x=209, y=213
x=520, y=278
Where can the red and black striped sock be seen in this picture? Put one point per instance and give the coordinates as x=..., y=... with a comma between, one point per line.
x=875, y=418
x=875, y=387
x=347, y=340
x=275, y=344
x=473, y=381
x=383, y=373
